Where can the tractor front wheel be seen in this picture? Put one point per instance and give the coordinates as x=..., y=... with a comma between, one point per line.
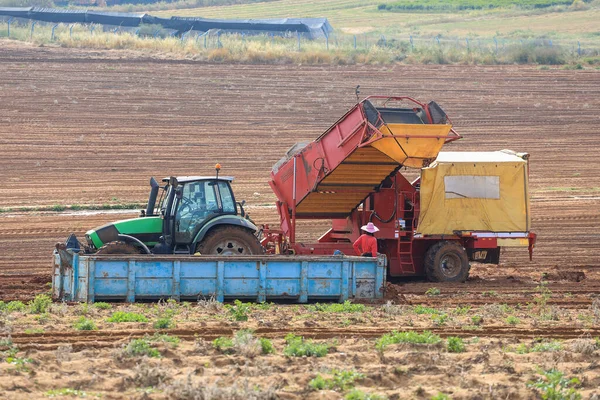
x=230, y=241
x=447, y=262
x=117, y=247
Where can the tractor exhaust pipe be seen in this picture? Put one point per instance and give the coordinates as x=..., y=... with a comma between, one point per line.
x=152, y=198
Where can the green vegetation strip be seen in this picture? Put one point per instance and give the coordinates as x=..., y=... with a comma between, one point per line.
x=460, y=5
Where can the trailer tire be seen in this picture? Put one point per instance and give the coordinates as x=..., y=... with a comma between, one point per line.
x=230, y=241
x=117, y=247
x=447, y=261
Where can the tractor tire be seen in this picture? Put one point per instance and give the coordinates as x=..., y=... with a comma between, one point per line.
x=447, y=262
x=230, y=241
x=117, y=247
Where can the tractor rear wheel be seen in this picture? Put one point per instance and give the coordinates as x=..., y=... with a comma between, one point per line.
x=447, y=262
x=230, y=241
x=117, y=247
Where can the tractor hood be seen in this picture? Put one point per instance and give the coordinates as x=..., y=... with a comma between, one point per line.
x=146, y=229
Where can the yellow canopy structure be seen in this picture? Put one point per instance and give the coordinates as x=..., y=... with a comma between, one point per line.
x=475, y=191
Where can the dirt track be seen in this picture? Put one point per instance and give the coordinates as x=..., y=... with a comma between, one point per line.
x=85, y=127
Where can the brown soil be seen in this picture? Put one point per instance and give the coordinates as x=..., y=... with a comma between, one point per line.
x=90, y=127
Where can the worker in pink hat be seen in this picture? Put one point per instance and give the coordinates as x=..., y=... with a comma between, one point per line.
x=366, y=244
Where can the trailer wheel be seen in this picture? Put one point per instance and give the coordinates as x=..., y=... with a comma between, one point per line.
x=230, y=241
x=117, y=247
x=447, y=262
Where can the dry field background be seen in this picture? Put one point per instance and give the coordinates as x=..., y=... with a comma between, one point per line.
x=81, y=127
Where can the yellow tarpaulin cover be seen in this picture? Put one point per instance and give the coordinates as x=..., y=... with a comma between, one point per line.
x=475, y=191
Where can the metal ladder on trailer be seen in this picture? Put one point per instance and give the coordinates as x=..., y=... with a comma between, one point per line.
x=405, y=242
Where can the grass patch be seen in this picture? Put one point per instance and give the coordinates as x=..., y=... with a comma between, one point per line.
x=40, y=304
x=297, y=346
x=455, y=345
x=345, y=307
x=239, y=311
x=68, y=392
x=32, y=331
x=419, y=309
x=141, y=347
x=223, y=344
x=164, y=338
x=340, y=380
x=102, y=305
x=433, y=291
x=122, y=316
x=406, y=337
x=12, y=306
x=356, y=394
x=553, y=385
x=85, y=324
x=163, y=323
x=462, y=5
x=541, y=347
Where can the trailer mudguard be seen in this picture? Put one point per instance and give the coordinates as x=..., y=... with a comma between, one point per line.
x=222, y=220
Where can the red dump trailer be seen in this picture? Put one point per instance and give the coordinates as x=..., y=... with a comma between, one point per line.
x=463, y=206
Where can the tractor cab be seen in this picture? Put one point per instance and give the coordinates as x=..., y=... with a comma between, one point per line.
x=192, y=215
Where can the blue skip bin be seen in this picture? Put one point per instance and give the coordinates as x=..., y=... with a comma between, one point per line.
x=256, y=278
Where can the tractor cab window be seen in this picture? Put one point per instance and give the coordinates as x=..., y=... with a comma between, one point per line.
x=227, y=201
x=199, y=202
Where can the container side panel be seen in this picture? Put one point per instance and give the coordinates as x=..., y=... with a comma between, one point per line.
x=241, y=287
x=365, y=270
x=283, y=269
x=110, y=287
x=111, y=268
x=198, y=269
x=324, y=287
x=323, y=269
x=158, y=269
x=198, y=287
x=145, y=287
x=283, y=288
x=241, y=269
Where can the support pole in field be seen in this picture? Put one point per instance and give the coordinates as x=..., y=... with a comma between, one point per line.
x=92, y=30
x=354, y=42
x=32, y=27
x=383, y=40
x=298, y=34
x=219, y=45
x=71, y=31
x=468, y=46
x=437, y=39
x=52, y=34
x=8, y=23
x=205, y=36
x=137, y=32
x=327, y=42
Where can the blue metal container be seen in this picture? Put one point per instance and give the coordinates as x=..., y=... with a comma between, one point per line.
x=255, y=278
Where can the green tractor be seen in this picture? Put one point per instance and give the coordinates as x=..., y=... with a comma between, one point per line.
x=195, y=214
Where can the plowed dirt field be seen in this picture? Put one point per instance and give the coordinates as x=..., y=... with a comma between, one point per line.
x=81, y=127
